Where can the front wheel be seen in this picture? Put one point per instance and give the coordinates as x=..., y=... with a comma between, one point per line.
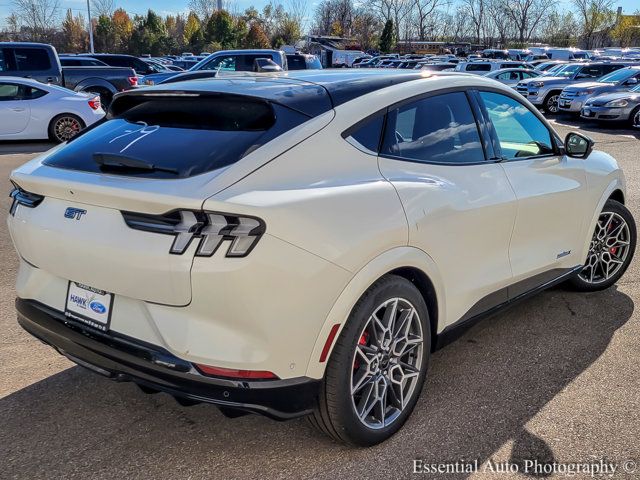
x=610, y=251
x=634, y=118
x=378, y=365
x=551, y=103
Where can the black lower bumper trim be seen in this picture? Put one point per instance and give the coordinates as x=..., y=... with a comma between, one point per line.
x=122, y=358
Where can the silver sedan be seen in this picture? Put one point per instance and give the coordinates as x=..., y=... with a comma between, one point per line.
x=614, y=107
x=511, y=76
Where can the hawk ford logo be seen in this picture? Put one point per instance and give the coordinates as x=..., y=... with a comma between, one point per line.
x=74, y=213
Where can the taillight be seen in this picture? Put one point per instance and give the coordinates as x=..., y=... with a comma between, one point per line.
x=22, y=197
x=211, y=228
x=94, y=103
x=237, y=374
x=133, y=81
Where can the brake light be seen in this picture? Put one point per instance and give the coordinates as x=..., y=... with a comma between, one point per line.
x=94, y=103
x=211, y=228
x=236, y=374
x=24, y=198
x=133, y=81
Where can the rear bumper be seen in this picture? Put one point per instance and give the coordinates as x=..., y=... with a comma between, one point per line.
x=123, y=358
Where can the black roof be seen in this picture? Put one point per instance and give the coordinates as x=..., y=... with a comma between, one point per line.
x=311, y=92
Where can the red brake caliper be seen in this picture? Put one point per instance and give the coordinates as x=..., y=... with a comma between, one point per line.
x=363, y=341
x=613, y=250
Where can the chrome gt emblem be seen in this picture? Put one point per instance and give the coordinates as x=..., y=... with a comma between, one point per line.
x=74, y=213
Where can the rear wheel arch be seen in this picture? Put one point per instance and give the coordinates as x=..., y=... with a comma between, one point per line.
x=410, y=263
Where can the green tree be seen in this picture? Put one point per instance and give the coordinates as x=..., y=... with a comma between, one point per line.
x=122, y=29
x=104, y=37
x=387, y=39
x=191, y=27
x=221, y=28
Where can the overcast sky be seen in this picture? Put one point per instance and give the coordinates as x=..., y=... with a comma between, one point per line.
x=165, y=7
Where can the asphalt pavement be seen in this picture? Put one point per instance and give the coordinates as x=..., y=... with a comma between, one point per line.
x=554, y=379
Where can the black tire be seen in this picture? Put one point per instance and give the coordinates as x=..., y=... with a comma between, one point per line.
x=335, y=413
x=633, y=121
x=581, y=284
x=75, y=122
x=551, y=106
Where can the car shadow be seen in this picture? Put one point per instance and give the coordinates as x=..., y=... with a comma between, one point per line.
x=19, y=146
x=481, y=392
x=615, y=128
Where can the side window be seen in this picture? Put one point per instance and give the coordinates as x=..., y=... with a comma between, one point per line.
x=3, y=64
x=244, y=63
x=521, y=134
x=32, y=93
x=478, y=67
x=32, y=59
x=439, y=129
x=9, y=92
x=527, y=75
x=368, y=133
x=224, y=63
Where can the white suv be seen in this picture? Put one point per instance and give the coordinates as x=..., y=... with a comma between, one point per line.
x=299, y=243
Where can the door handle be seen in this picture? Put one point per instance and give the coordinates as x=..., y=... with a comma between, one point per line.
x=18, y=109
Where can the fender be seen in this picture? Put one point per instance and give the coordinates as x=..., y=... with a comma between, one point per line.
x=89, y=83
x=616, y=183
x=397, y=257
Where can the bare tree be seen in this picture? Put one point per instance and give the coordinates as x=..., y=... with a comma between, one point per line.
x=477, y=11
x=204, y=8
x=38, y=16
x=595, y=15
x=103, y=7
x=424, y=15
x=526, y=15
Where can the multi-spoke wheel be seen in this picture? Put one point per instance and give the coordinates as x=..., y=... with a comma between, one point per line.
x=551, y=103
x=378, y=365
x=64, y=127
x=610, y=250
x=634, y=118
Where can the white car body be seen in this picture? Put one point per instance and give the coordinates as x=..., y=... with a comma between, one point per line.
x=511, y=76
x=30, y=118
x=338, y=217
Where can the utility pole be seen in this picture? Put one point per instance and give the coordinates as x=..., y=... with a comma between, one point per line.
x=90, y=27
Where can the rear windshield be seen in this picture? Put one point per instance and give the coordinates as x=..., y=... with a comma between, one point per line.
x=174, y=136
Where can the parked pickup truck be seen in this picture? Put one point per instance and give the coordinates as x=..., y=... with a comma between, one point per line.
x=544, y=91
x=41, y=62
x=226, y=61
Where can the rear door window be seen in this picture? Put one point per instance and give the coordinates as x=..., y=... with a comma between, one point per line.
x=438, y=129
x=180, y=137
x=9, y=91
x=32, y=59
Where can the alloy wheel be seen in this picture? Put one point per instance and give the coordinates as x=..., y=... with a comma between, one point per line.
x=552, y=104
x=66, y=128
x=386, y=363
x=636, y=119
x=608, y=249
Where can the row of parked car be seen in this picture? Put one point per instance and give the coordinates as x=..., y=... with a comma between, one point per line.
x=46, y=95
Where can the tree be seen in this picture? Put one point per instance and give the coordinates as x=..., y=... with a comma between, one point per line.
x=366, y=30
x=595, y=16
x=425, y=10
x=74, y=33
x=103, y=7
x=122, y=30
x=476, y=10
x=526, y=16
x=104, y=37
x=220, y=28
x=256, y=37
x=38, y=16
x=626, y=31
x=191, y=27
x=204, y=8
x=387, y=38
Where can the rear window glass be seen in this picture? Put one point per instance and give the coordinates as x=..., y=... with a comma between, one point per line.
x=180, y=137
x=478, y=67
x=296, y=62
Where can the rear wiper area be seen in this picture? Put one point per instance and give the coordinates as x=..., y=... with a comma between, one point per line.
x=114, y=161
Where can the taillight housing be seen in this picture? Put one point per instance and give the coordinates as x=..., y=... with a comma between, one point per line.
x=24, y=198
x=133, y=81
x=211, y=229
x=95, y=103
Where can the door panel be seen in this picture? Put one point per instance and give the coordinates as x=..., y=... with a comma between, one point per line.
x=14, y=112
x=551, y=189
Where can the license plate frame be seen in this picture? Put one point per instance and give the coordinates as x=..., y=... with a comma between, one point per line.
x=88, y=305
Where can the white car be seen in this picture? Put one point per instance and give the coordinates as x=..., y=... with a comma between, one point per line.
x=511, y=76
x=299, y=243
x=30, y=110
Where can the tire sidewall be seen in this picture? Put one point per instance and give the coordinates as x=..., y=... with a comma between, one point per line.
x=54, y=120
x=391, y=287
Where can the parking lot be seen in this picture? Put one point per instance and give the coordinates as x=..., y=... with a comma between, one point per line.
x=555, y=378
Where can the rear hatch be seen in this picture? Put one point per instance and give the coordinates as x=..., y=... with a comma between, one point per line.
x=157, y=153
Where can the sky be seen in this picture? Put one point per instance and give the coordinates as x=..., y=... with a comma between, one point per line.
x=166, y=7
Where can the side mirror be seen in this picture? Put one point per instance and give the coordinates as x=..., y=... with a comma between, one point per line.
x=265, y=65
x=577, y=145
x=631, y=81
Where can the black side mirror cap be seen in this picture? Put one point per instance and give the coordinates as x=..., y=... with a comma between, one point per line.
x=577, y=145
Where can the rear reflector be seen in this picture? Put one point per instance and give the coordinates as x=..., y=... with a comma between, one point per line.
x=237, y=374
x=133, y=81
x=329, y=342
